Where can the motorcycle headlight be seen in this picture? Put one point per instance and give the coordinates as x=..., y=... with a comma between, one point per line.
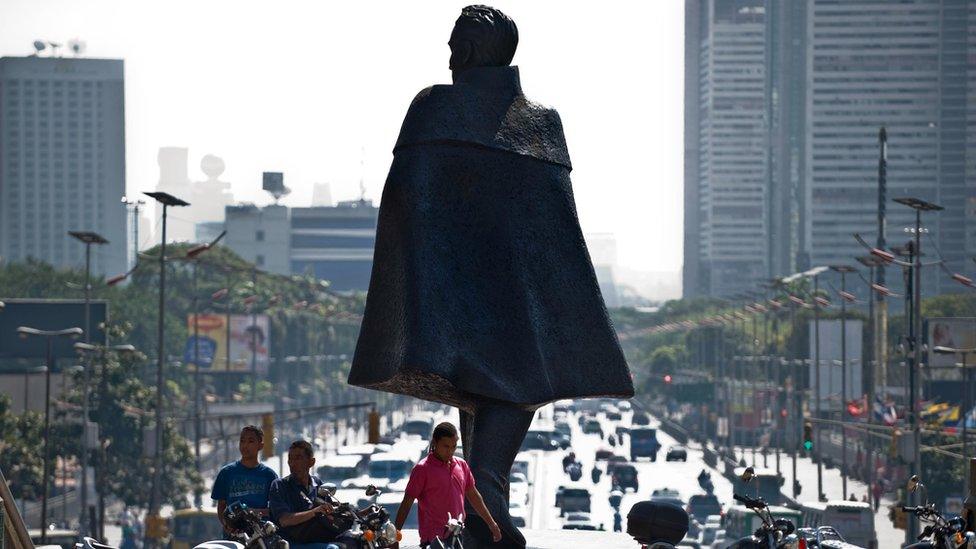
x=389, y=532
x=269, y=528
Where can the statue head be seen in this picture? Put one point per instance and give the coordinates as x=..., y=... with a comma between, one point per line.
x=483, y=37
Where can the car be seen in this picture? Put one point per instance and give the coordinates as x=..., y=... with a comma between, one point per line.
x=390, y=465
x=643, y=443
x=604, y=454
x=521, y=465
x=580, y=521
x=573, y=498
x=537, y=441
x=667, y=495
x=640, y=418
x=621, y=430
x=709, y=532
x=564, y=427
x=338, y=468
x=518, y=512
x=701, y=506
x=592, y=426
x=624, y=405
x=688, y=543
x=418, y=425
x=562, y=405
x=518, y=488
x=614, y=415
x=613, y=461
x=624, y=475
x=676, y=453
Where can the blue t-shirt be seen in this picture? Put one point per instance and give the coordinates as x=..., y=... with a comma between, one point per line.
x=249, y=485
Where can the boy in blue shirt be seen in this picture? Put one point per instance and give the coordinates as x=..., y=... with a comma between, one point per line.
x=245, y=480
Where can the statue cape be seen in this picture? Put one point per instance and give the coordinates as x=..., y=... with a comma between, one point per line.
x=482, y=288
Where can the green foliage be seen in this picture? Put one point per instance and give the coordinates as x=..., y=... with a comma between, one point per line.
x=21, y=457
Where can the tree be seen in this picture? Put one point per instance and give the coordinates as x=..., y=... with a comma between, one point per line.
x=21, y=458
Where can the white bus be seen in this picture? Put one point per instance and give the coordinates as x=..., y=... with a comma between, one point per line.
x=853, y=519
x=740, y=521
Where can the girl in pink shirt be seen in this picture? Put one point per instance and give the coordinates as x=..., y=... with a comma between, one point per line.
x=440, y=482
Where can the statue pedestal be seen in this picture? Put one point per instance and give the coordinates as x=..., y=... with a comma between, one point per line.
x=554, y=539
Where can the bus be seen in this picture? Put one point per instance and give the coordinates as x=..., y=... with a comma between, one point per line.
x=740, y=522
x=853, y=519
x=191, y=527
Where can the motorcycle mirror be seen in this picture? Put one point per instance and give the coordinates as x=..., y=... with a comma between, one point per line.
x=913, y=483
x=748, y=474
x=371, y=490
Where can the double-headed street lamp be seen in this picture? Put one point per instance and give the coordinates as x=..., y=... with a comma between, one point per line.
x=48, y=335
x=87, y=238
x=90, y=351
x=155, y=499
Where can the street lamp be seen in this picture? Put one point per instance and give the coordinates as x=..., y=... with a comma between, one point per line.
x=87, y=238
x=100, y=350
x=192, y=254
x=967, y=396
x=843, y=270
x=49, y=335
x=27, y=372
x=914, y=336
x=166, y=200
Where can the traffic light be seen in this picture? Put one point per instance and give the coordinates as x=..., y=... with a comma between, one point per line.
x=374, y=427
x=267, y=425
x=807, y=436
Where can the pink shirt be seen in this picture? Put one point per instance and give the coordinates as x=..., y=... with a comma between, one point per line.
x=439, y=489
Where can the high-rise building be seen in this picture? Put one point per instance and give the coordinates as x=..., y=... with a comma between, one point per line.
x=784, y=102
x=727, y=229
x=62, y=160
x=207, y=198
x=909, y=66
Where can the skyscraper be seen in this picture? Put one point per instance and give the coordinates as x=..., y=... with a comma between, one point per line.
x=62, y=160
x=725, y=131
x=832, y=73
x=908, y=66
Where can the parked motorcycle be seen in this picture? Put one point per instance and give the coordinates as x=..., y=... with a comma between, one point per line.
x=256, y=532
x=452, y=535
x=941, y=532
x=773, y=533
x=366, y=528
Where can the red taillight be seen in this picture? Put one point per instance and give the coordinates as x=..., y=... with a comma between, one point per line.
x=802, y=544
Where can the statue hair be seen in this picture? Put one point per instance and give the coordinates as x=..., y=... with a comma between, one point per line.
x=492, y=34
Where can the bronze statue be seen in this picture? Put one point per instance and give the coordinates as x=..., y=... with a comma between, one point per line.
x=483, y=295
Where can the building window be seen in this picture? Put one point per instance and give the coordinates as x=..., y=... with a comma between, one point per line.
x=259, y=236
x=259, y=260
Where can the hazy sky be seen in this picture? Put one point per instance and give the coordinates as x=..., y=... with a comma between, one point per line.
x=318, y=90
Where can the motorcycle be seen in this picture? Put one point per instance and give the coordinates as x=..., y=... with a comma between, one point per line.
x=452, y=537
x=941, y=532
x=366, y=528
x=256, y=533
x=824, y=537
x=705, y=481
x=773, y=533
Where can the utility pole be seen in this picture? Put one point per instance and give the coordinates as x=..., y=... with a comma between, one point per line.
x=881, y=306
x=843, y=270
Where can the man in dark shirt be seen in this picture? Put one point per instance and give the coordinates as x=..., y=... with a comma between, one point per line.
x=292, y=501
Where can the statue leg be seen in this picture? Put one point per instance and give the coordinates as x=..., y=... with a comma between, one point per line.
x=492, y=439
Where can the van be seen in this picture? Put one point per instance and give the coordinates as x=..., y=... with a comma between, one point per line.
x=643, y=443
x=853, y=519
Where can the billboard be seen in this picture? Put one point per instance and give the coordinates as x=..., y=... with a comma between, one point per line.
x=47, y=314
x=958, y=333
x=831, y=378
x=249, y=340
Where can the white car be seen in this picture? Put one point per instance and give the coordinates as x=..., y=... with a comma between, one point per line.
x=518, y=488
x=624, y=406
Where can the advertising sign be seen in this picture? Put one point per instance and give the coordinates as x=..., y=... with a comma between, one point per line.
x=957, y=333
x=247, y=339
x=831, y=378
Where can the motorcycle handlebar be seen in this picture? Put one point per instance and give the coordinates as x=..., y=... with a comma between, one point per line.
x=750, y=503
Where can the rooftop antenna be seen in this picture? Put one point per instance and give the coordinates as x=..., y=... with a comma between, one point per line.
x=77, y=46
